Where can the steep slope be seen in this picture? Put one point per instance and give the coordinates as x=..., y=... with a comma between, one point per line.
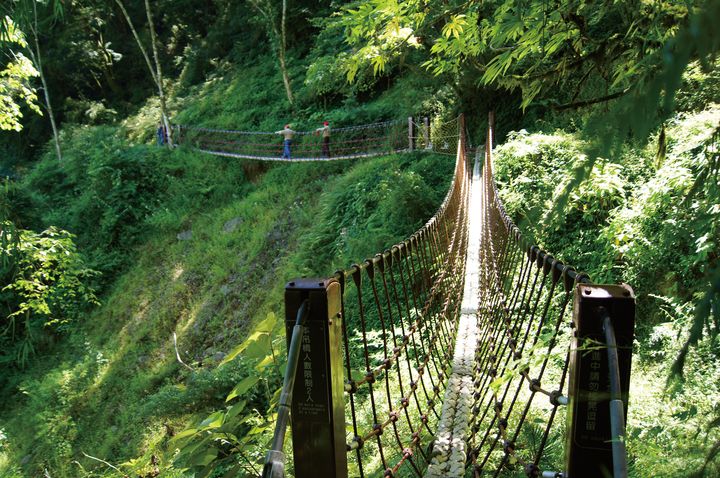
x=114, y=389
x=194, y=247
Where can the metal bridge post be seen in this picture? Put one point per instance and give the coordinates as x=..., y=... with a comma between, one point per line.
x=318, y=409
x=599, y=380
x=426, y=132
x=411, y=135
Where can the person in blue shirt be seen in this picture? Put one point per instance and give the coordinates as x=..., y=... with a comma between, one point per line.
x=161, y=134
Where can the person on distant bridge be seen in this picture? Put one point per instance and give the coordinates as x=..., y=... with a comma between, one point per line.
x=325, y=131
x=288, y=134
x=161, y=134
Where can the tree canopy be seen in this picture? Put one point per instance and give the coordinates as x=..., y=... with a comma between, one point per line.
x=558, y=53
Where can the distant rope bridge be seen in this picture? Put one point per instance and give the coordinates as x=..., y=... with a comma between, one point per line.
x=360, y=141
x=451, y=354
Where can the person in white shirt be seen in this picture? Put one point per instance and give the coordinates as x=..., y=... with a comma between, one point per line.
x=288, y=134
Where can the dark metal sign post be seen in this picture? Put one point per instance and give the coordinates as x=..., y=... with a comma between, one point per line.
x=318, y=409
x=599, y=380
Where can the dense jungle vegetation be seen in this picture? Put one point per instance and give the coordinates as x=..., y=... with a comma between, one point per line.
x=141, y=286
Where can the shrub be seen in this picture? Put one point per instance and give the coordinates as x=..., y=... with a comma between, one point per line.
x=102, y=191
x=46, y=288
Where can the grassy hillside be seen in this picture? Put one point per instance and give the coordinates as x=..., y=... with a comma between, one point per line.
x=113, y=387
x=194, y=246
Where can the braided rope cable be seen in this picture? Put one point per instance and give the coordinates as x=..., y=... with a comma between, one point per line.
x=450, y=451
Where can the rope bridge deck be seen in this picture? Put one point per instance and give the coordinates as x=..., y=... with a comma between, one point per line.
x=449, y=355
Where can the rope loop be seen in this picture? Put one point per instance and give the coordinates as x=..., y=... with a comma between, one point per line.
x=356, y=270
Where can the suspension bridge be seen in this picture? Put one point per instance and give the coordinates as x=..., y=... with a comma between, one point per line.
x=464, y=351
x=348, y=142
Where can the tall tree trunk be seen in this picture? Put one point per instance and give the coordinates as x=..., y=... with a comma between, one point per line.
x=161, y=92
x=153, y=71
x=37, y=59
x=281, y=56
x=277, y=37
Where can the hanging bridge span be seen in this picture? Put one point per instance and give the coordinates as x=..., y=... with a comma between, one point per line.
x=348, y=142
x=463, y=351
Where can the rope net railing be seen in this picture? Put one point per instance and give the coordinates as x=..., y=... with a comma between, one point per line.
x=398, y=311
x=521, y=359
x=431, y=134
x=523, y=354
x=336, y=143
x=401, y=309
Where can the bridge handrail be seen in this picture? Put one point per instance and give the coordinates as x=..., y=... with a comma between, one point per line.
x=346, y=142
x=378, y=124
x=505, y=239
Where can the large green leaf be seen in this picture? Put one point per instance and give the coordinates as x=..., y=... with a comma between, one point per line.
x=258, y=343
x=246, y=384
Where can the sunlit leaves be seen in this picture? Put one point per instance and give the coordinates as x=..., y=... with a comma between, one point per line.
x=558, y=50
x=45, y=286
x=378, y=63
x=258, y=343
x=378, y=31
x=454, y=27
x=15, y=78
x=242, y=387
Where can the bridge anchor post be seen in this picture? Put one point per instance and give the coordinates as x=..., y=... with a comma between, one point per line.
x=318, y=408
x=411, y=134
x=426, y=132
x=599, y=380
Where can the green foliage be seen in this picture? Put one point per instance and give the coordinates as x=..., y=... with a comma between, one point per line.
x=231, y=439
x=670, y=429
x=103, y=192
x=379, y=31
x=15, y=76
x=532, y=172
x=402, y=190
x=700, y=87
x=583, y=48
x=44, y=288
x=653, y=225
